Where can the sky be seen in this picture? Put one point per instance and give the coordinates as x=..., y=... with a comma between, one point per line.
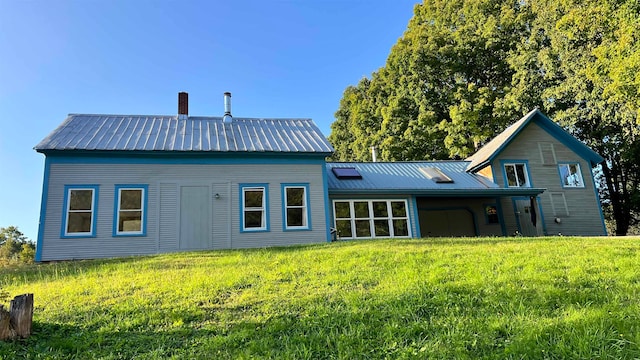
x=278, y=58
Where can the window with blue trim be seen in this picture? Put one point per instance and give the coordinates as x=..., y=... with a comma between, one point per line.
x=517, y=175
x=491, y=214
x=254, y=208
x=80, y=210
x=130, y=210
x=296, y=211
x=571, y=175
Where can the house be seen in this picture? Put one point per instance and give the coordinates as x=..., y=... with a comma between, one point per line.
x=121, y=185
x=532, y=179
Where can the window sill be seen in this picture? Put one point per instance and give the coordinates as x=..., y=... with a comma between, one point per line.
x=79, y=236
x=245, y=231
x=130, y=235
x=296, y=229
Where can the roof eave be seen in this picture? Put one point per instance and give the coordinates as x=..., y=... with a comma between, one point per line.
x=185, y=153
x=442, y=192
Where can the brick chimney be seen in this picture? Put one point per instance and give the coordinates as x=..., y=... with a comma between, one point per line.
x=183, y=104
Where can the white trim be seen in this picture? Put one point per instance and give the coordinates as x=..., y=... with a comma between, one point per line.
x=262, y=208
x=68, y=211
x=372, y=218
x=143, y=194
x=527, y=183
x=575, y=182
x=304, y=207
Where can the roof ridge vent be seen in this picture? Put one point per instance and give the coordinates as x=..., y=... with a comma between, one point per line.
x=227, y=118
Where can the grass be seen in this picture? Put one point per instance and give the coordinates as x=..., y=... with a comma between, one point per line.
x=448, y=298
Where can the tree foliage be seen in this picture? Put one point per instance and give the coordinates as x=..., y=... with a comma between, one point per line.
x=15, y=247
x=465, y=69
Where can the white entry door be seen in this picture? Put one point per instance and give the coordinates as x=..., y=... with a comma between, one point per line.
x=195, y=228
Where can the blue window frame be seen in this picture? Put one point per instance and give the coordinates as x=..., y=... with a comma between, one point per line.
x=80, y=206
x=130, y=210
x=254, y=207
x=516, y=173
x=491, y=214
x=570, y=175
x=295, y=207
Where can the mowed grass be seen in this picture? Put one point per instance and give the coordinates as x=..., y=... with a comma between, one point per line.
x=447, y=298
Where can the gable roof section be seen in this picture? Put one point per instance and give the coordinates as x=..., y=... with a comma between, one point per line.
x=191, y=134
x=407, y=178
x=489, y=151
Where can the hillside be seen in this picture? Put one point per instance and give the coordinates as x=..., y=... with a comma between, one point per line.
x=448, y=298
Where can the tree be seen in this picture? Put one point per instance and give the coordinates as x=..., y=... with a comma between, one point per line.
x=571, y=63
x=15, y=246
x=440, y=93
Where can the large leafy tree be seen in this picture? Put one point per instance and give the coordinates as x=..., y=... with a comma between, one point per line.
x=582, y=51
x=440, y=93
x=464, y=69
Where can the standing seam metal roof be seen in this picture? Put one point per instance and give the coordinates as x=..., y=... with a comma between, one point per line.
x=173, y=133
x=407, y=175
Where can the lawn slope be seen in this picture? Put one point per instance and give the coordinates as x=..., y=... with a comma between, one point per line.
x=450, y=298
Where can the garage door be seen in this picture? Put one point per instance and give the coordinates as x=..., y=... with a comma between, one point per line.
x=457, y=222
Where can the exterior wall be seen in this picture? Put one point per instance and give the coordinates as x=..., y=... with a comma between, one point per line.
x=583, y=206
x=411, y=207
x=164, y=180
x=475, y=206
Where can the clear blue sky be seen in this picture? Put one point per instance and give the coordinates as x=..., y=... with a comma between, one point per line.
x=277, y=58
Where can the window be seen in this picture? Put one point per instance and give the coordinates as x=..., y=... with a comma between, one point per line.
x=345, y=173
x=491, y=214
x=130, y=210
x=516, y=175
x=80, y=202
x=371, y=218
x=295, y=208
x=436, y=175
x=253, y=209
x=570, y=175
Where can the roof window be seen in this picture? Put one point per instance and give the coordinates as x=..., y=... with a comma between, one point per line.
x=346, y=173
x=436, y=175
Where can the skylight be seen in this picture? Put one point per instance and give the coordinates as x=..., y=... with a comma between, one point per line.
x=344, y=173
x=436, y=175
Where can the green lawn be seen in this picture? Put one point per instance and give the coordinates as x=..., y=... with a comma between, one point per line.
x=451, y=298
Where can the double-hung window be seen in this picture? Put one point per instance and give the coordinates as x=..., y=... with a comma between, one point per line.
x=516, y=175
x=254, y=207
x=295, y=210
x=130, y=210
x=79, y=218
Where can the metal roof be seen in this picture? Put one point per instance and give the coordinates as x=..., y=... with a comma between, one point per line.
x=406, y=177
x=489, y=151
x=182, y=133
